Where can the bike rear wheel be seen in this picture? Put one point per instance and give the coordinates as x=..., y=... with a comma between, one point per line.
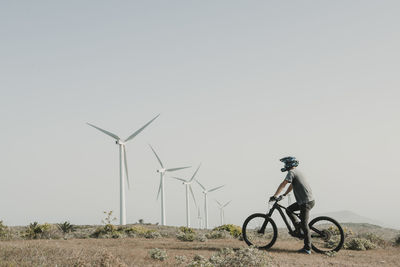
x=326, y=234
x=253, y=235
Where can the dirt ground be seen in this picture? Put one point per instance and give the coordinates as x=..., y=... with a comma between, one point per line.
x=135, y=252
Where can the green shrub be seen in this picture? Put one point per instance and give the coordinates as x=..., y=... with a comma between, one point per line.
x=233, y=230
x=140, y=231
x=359, y=244
x=187, y=237
x=109, y=217
x=201, y=238
x=335, y=231
x=158, y=254
x=36, y=231
x=3, y=230
x=374, y=238
x=397, y=241
x=200, y=261
x=365, y=241
x=66, y=227
x=186, y=230
x=217, y=235
x=106, y=231
x=180, y=259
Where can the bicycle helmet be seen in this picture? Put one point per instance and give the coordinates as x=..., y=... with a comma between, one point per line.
x=290, y=162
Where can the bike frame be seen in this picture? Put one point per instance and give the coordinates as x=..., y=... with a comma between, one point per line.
x=278, y=207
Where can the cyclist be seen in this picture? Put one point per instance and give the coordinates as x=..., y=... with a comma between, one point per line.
x=304, y=200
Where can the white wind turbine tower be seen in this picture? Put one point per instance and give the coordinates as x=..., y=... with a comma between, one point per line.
x=162, y=172
x=199, y=217
x=123, y=164
x=221, y=210
x=205, y=192
x=188, y=186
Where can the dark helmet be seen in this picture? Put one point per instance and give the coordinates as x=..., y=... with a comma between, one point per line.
x=290, y=162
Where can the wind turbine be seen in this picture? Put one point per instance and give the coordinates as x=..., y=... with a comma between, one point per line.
x=221, y=210
x=205, y=192
x=199, y=217
x=123, y=165
x=188, y=186
x=162, y=172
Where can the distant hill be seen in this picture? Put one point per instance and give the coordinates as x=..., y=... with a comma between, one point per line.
x=346, y=216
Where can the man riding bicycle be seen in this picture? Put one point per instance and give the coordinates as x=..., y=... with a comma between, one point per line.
x=304, y=199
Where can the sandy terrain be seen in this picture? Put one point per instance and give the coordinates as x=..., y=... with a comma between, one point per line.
x=134, y=252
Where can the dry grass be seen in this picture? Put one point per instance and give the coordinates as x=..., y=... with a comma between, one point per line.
x=135, y=252
x=76, y=249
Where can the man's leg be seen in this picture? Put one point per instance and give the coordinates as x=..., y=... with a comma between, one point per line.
x=304, y=216
x=292, y=217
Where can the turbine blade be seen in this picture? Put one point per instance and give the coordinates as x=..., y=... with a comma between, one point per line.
x=141, y=129
x=126, y=166
x=175, y=169
x=194, y=199
x=201, y=185
x=215, y=188
x=219, y=204
x=159, y=190
x=159, y=160
x=191, y=179
x=227, y=203
x=104, y=131
x=180, y=179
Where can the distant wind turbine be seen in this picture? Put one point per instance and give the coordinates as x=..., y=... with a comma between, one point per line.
x=123, y=164
x=205, y=192
x=221, y=210
x=188, y=186
x=162, y=172
x=199, y=217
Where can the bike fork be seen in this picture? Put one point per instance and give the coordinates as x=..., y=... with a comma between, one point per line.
x=264, y=225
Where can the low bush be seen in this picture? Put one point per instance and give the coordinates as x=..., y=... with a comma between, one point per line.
x=3, y=230
x=186, y=230
x=66, y=227
x=359, y=244
x=397, y=241
x=158, y=254
x=233, y=230
x=140, y=231
x=228, y=257
x=186, y=237
x=180, y=259
x=374, y=238
x=201, y=238
x=365, y=241
x=40, y=231
x=106, y=231
x=217, y=235
x=200, y=261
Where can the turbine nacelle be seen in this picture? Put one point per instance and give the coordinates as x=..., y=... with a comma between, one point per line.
x=161, y=170
x=119, y=142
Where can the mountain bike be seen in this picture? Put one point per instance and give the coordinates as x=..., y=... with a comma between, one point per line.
x=260, y=230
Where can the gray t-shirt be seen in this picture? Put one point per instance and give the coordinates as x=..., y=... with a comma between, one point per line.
x=302, y=190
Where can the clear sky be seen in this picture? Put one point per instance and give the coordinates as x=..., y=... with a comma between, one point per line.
x=239, y=84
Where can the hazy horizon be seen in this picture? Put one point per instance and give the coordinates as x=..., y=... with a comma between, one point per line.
x=238, y=84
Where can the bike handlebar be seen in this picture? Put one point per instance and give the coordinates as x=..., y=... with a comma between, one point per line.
x=276, y=199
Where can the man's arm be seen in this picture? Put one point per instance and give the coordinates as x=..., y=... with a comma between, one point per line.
x=288, y=190
x=281, y=187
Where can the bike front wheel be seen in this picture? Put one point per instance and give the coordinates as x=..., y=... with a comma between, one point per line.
x=259, y=230
x=326, y=234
